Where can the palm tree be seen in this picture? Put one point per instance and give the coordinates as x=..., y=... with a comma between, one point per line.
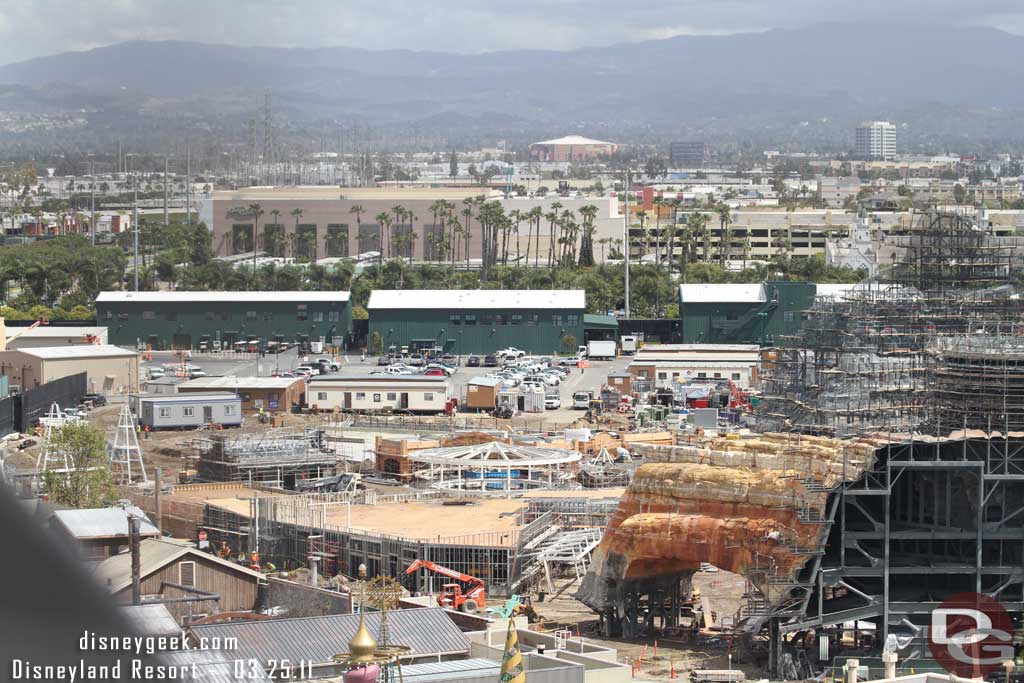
x=589, y=213
x=277, y=226
x=357, y=210
x=383, y=220
x=725, y=234
x=295, y=213
x=255, y=210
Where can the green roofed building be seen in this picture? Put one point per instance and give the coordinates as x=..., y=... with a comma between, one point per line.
x=223, y=320
x=743, y=313
x=478, y=321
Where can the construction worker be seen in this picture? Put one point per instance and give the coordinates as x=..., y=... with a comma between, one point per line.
x=254, y=560
x=225, y=551
x=146, y=430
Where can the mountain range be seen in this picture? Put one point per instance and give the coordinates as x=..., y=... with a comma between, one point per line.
x=938, y=80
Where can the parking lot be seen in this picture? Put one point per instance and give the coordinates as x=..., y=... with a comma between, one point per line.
x=589, y=379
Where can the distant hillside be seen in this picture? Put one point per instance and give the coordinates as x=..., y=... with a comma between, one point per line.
x=750, y=81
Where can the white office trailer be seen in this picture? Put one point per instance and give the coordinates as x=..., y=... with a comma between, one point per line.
x=375, y=393
x=187, y=411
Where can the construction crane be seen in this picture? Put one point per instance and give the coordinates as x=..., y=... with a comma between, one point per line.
x=41, y=321
x=451, y=593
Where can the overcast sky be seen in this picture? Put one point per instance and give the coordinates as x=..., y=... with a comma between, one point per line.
x=31, y=28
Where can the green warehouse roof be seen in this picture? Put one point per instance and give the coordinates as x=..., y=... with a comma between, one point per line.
x=445, y=299
x=609, y=322
x=219, y=297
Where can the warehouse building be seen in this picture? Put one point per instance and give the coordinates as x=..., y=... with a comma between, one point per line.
x=54, y=335
x=477, y=321
x=743, y=313
x=269, y=394
x=109, y=369
x=220, y=320
x=374, y=393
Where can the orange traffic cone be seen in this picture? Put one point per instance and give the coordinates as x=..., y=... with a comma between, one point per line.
x=655, y=648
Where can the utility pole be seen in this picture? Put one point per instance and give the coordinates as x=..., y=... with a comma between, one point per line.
x=166, y=222
x=625, y=242
x=92, y=200
x=188, y=185
x=135, y=225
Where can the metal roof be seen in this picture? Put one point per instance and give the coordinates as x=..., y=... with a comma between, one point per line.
x=190, y=397
x=179, y=296
x=722, y=293
x=382, y=377
x=427, y=631
x=116, y=572
x=213, y=666
x=54, y=331
x=451, y=299
x=103, y=522
x=453, y=669
x=485, y=381
x=494, y=454
x=573, y=140
x=77, y=351
x=232, y=382
x=150, y=620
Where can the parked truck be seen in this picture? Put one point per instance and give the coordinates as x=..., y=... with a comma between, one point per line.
x=628, y=345
x=597, y=350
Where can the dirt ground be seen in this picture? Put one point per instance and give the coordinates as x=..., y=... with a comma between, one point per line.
x=721, y=593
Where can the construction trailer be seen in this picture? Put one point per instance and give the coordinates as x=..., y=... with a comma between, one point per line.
x=376, y=393
x=189, y=411
x=258, y=394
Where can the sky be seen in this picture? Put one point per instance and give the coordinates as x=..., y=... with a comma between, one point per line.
x=33, y=28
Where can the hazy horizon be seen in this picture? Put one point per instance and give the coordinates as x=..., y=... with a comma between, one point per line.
x=454, y=26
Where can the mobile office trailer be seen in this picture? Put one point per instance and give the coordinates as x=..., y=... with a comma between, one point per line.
x=188, y=411
x=372, y=393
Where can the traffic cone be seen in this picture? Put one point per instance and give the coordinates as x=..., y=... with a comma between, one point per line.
x=672, y=670
x=655, y=648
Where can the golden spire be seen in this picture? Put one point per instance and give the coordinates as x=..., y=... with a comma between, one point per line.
x=363, y=646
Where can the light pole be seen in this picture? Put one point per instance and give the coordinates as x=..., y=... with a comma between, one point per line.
x=135, y=223
x=625, y=231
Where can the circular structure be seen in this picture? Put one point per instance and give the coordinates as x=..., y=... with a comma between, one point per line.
x=495, y=466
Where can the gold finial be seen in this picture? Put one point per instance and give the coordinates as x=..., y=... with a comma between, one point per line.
x=363, y=645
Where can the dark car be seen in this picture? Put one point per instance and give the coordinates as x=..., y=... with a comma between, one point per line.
x=490, y=361
x=473, y=362
x=97, y=400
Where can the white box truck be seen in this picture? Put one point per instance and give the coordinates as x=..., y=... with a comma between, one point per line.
x=600, y=349
x=628, y=345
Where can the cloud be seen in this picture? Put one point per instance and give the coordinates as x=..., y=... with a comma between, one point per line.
x=30, y=28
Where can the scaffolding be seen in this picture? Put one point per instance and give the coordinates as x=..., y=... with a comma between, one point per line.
x=869, y=359
x=275, y=456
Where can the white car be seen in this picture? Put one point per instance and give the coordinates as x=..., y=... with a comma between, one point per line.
x=550, y=380
x=510, y=352
x=552, y=403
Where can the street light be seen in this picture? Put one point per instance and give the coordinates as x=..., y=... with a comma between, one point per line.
x=135, y=223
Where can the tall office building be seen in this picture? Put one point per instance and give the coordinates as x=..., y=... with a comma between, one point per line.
x=687, y=154
x=876, y=140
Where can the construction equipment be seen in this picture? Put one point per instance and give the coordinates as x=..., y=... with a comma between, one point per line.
x=515, y=606
x=451, y=593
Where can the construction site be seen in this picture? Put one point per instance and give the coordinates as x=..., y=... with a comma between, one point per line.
x=878, y=473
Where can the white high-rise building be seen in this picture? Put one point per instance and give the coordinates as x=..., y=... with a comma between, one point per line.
x=876, y=140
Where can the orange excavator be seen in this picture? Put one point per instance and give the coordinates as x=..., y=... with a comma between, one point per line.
x=451, y=593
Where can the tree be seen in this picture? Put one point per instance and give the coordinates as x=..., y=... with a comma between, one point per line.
x=453, y=164
x=589, y=213
x=89, y=484
x=959, y=193
x=296, y=214
x=569, y=343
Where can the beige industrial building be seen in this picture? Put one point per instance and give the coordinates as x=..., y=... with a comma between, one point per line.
x=109, y=369
x=325, y=225
x=571, y=148
x=47, y=335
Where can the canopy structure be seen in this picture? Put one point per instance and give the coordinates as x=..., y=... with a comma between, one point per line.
x=495, y=466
